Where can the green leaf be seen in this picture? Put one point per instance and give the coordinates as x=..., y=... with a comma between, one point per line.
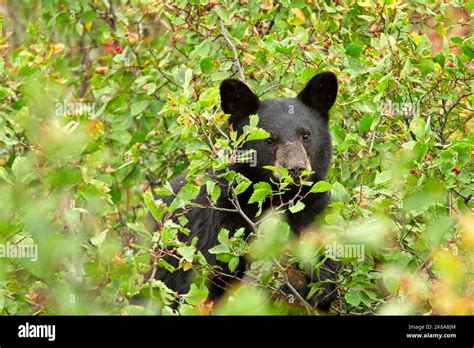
x=138, y=107
x=242, y=186
x=383, y=177
x=260, y=191
x=321, y=186
x=233, y=263
x=468, y=51
x=297, y=207
x=187, y=252
x=365, y=123
x=4, y=175
x=258, y=134
x=352, y=298
x=223, y=236
x=456, y=39
x=115, y=192
x=219, y=249
x=201, y=50
x=157, y=208
x=165, y=190
x=437, y=230
x=213, y=190
x=207, y=65
x=20, y=168
x=253, y=121
x=354, y=50
x=137, y=228
x=169, y=267
x=121, y=135
x=418, y=127
x=239, y=233
x=440, y=59
x=88, y=16
x=99, y=238
x=196, y=295
x=188, y=192
x=469, y=5
x=339, y=193
x=222, y=13
x=427, y=66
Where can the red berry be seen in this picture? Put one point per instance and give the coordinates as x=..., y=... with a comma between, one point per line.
x=456, y=170
x=414, y=171
x=216, y=149
x=213, y=3
x=118, y=49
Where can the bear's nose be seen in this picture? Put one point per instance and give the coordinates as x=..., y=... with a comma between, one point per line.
x=296, y=169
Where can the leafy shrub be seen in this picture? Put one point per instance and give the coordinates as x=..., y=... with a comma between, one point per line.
x=99, y=98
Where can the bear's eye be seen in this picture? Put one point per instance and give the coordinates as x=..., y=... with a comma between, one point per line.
x=271, y=140
x=306, y=136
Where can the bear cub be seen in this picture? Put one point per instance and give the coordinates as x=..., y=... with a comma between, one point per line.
x=299, y=141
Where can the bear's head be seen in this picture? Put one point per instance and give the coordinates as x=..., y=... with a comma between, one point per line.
x=299, y=134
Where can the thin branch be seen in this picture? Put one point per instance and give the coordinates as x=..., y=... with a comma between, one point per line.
x=235, y=202
x=278, y=84
x=308, y=307
x=234, y=51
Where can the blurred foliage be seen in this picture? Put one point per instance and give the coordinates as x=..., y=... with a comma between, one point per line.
x=96, y=96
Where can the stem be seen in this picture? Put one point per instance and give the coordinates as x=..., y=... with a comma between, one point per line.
x=234, y=50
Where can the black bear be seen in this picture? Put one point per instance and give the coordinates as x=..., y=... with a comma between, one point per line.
x=299, y=141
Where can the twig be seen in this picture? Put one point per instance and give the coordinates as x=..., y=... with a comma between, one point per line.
x=370, y=151
x=278, y=84
x=447, y=112
x=235, y=202
x=234, y=50
x=308, y=307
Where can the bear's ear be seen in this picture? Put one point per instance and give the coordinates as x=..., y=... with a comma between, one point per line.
x=237, y=99
x=320, y=92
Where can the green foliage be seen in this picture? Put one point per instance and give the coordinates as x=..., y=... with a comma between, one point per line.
x=95, y=100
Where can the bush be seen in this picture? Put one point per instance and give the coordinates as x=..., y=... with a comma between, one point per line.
x=100, y=98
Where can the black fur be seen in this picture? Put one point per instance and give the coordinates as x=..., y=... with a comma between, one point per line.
x=289, y=121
